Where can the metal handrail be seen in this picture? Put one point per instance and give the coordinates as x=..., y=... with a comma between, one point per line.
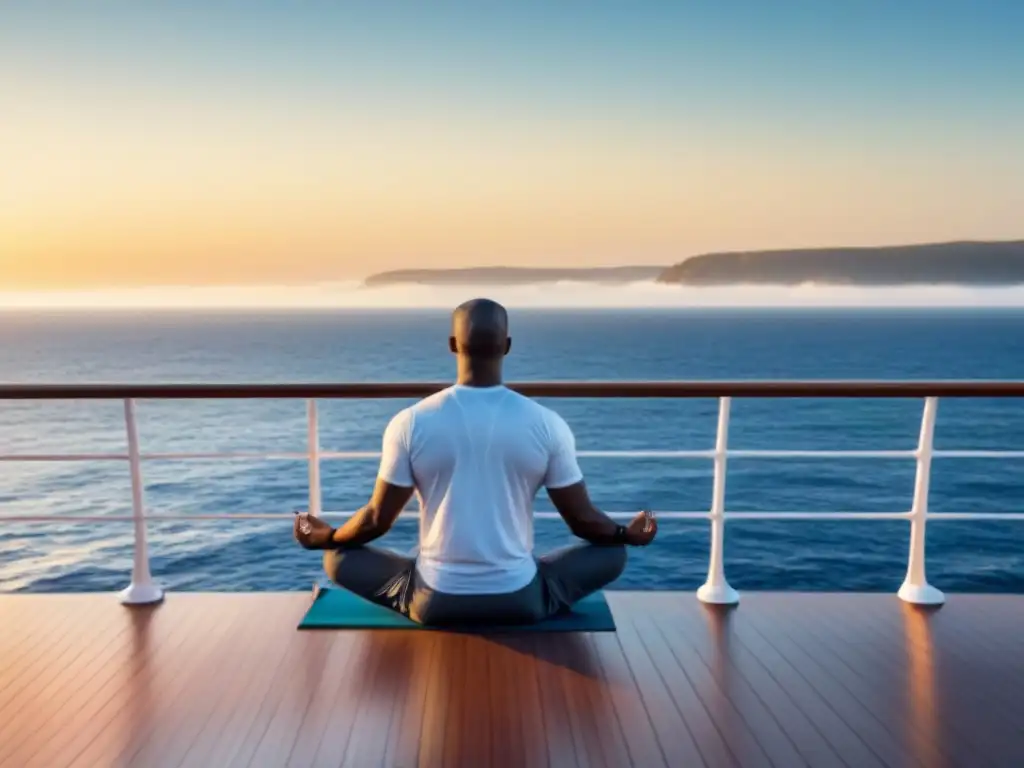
x=638, y=454
x=576, y=389
x=915, y=588
x=622, y=515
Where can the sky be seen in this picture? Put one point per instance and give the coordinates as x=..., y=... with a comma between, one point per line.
x=182, y=144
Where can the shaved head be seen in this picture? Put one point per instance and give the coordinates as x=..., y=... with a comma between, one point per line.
x=480, y=330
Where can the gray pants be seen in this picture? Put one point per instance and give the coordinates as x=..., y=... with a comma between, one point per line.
x=563, y=577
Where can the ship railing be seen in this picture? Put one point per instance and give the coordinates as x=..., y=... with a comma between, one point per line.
x=143, y=589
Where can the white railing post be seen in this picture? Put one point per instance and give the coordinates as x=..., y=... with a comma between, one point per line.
x=916, y=588
x=716, y=589
x=314, y=458
x=142, y=590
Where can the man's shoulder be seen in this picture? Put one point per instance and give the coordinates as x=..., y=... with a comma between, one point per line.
x=422, y=410
x=547, y=418
x=511, y=398
x=400, y=424
x=431, y=402
x=525, y=409
x=529, y=407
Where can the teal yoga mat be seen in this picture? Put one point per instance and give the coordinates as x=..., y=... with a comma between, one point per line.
x=340, y=609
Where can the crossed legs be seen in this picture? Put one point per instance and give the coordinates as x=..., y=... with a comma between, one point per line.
x=564, y=577
x=376, y=574
x=573, y=572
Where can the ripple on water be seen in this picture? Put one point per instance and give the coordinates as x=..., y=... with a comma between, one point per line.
x=259, y=554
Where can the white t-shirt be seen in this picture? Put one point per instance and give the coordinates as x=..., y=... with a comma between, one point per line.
x=477, y=457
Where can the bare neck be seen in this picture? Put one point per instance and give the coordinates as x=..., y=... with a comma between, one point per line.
x=479, y=373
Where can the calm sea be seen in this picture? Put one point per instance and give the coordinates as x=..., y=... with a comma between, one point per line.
x=368, y=346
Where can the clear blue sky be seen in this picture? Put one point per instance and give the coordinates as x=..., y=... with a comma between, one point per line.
x=922, y=59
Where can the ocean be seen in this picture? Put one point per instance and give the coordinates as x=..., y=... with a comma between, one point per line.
x=619, y=343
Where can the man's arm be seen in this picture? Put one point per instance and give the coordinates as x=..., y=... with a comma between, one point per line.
x=583, y=518
x=568, y=492
x=392, y=491
x=376, y=518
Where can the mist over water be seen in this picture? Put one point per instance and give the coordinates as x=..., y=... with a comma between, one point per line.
x=569, y=295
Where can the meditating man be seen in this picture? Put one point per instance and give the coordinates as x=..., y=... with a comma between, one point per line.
x=476, y=454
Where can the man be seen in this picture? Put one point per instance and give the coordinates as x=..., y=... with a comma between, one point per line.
x=476, y=454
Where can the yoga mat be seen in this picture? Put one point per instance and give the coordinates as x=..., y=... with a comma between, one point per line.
x=340, y=609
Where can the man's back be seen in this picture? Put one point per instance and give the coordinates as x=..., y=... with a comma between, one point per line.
x=476, y=454
x=477, y=457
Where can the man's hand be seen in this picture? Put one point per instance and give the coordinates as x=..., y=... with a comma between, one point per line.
x=591, y=524
x=641, y=529
x=312, y=532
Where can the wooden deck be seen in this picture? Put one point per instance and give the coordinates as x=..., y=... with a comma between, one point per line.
x=784, y=680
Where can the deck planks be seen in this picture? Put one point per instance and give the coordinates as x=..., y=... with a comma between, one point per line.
x=784, y=680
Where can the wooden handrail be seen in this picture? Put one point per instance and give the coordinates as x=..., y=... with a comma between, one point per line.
x=576, y=389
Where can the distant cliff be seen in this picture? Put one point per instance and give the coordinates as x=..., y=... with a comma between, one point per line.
x=513, y=276
x=962, y=263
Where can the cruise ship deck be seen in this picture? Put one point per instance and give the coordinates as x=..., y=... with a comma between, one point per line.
x=783, y=680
